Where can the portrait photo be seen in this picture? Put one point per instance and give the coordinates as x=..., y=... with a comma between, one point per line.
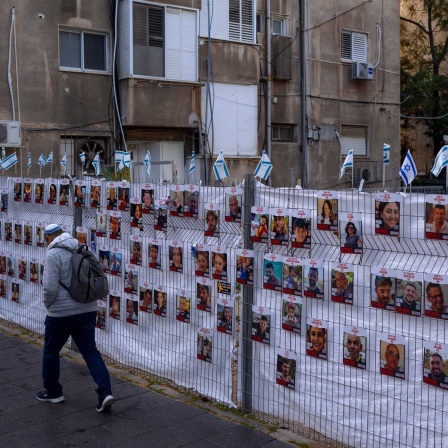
x=436, y=219
x=177, y=201
x=259, y=224
x=232, y=211
x=392, y=356
x=261, y=326
x=114, y=305
x=435, y=364
x=155, y=255
x=136, y=251
x=204, y=295
x=115, y=226
x=211, y=221
x=245, y=267
x=52, y=194
x=123, y=199
x=131, y=279
x=131, y=311
x=272, y=272
x=101, y=223
x=27, y=191
x=64, y=192
x=103, y=258
x=224, y=314
x=95, y=194
x=191, y=203
x=342, y=281
x=115, y=262
x=15, y=290
x=313, y=280
x=286, y=371
x=387, y=214
x=355, y=347
x=219, y=265
x=111, y=196
x=292, y=276
x=80, y=194
x=175, y=258
x=327, y=211
x=160, y=302
x=383, y=289
x=202, y=262
x=145, y=296
x=279, y=227
x=136, y=214
x=204, y=346
x=351, y=237
x=160, y=217
x=147, y=200
x=409, y=295
x=436, y=289
x=38, y=192
x=292, y=315
x=183, y=308
x=301, y=232
x=316, y=338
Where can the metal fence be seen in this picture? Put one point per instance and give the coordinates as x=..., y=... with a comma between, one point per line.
x=296, y=369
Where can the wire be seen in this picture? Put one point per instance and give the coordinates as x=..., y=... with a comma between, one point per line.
x=378, y=33
x=9, y=64
x=417, y=118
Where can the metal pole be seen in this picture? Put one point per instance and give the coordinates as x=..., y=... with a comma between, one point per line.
x=248, y=300
x=303, y=95
x=268, y=83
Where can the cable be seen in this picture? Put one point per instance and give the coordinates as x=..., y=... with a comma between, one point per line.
x=378, y=33
x=9, y=65
x=416, y=118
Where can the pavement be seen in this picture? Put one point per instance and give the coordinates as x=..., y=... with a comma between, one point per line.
x=140, y=416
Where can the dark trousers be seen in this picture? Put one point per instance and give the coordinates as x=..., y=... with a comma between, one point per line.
x=82, y=329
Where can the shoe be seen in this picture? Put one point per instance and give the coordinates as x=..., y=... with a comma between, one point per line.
x=105, y=403
x=44, y=395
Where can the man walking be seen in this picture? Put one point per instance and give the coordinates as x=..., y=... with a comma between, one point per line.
x=68, y=317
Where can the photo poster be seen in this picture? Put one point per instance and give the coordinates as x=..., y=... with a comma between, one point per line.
x=115, y=260
x=191, y=201
x=18, y=231
x=145, y=296
x=39, y=234
x=160, y=300
x=202, y=260
x=183, y=306
x=101, y=222
x=292, y=276
x=132, y=309
x=350, y=232
x=64, y=192
x=27, y=232
x=15, y=290
x=244, y=266
x=52, y=188
x=259, y=224
x=219, y=263
x=38, y=191
x=292, y=313
x=435, y=364
x=136, y=249
x=95, y=194
x=114, y=304
x=81, y=235
x=103, y=257
x=100, y=322
x=436, y=289
x=436, y=224
x=313, y=278
x=261, y=324
x=175, y=255
x=355, y=347
x=204, y=344
x=279, y=226
x=204, y=294
x=327, y=210
x=147, y=195
x=123, y=196
x=342, y=283
x=41, y=271
x=155, y=254
x=177, y=200
x=17, y=189
x=3, y=286
x=409, y=293
x=392, y=355
x=301, y=229
x=2, y=263
x=286, y=368
x=111, y=195
x=316, y=338
x=115, y=225
x=383, y=287
x=272, y=271
x=8, y=229
x=80, y=193
x=4, y=197
x=136, y=213
x=11, y=265
x=22, y=268
x=233, y=203
x=225, y=308
x=160, y=215
x=130, y=279
x=211, y=221
x=387, y=214
x=27, y=190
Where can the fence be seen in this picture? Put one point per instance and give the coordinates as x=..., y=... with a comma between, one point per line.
x=348, y=362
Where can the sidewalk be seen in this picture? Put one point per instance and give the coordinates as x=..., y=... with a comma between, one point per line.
x=140, y=417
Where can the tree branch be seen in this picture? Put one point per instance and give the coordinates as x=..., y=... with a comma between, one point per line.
x=419, y=25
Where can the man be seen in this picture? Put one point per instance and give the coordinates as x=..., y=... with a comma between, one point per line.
x=115, y=267
x=212, y=221
x=235, y=209
x=204, y=296
x=436, y=363
x=383, y=286
x=137, y=253
x=289, y=282
x=434, y=296
x=67, y=317
x=193, y=204
x=112, y=200
x=354, y=348
x=313, y=277
x=285, y=370
x=392, y=357
x=281, y=231
x=439, y=225
x=271, y=278
x=182, y=313
x=262, y=330
x=343, y=287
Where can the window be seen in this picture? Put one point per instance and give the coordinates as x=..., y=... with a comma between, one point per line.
x=260, y=23
x=353, y=46
x=354, y=137
x=279, y=27
x=283, y=132
x=79, y=50
x=164, y=42
x=241, y=20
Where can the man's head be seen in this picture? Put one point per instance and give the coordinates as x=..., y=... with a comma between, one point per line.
x=51, y=232
x=269, y=270
x=436, y=363
x=300, y=229
x=233, y=205
x=137, y=252
x=434, y=295
x=263, y=323
x=279, y=224
x=439, y=214
x=286, y=367
x=203, y=294
x=212, y=220
x=193, y=203
x=392, y=357
x=129, y=308
x=354, y=346
x=182, y=304
x=383, y=286
x=341, y=281
x=313, y=276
